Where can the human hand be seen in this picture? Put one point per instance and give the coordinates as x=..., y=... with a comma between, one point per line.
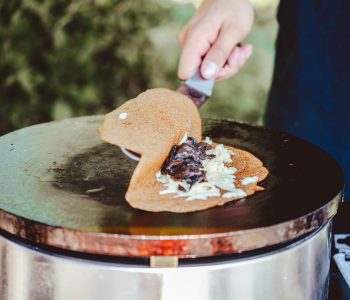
x=210, y=39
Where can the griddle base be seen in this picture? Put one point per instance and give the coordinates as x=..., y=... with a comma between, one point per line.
x=298, y=271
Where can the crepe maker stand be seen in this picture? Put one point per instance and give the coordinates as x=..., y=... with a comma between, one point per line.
x=68, y=233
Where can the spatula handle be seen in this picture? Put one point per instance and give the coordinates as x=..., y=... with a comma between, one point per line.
x=197, y=97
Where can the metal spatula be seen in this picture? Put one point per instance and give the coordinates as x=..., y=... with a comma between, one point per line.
x=197, y=89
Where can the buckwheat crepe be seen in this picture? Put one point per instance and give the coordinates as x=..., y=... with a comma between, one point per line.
x=150, y=125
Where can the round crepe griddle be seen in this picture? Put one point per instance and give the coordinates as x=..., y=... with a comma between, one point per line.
x=61, y=186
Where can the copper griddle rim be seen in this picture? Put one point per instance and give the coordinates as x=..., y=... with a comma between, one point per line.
x=184, y=246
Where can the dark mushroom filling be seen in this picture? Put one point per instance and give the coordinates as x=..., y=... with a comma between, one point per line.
x=185, y=161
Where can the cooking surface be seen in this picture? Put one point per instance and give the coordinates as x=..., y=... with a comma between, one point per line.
x=61, y=185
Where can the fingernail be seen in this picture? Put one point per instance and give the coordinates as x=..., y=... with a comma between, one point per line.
x=210, y=69
x=249, y=52
x=234, y=56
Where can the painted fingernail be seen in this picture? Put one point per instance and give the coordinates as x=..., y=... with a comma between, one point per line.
x=210, y=69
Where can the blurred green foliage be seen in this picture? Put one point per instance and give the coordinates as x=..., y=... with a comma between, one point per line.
x=61, y=58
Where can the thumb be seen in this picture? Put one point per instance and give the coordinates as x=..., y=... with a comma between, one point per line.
x=219, y=52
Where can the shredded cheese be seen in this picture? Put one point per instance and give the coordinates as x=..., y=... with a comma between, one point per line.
x=218, y=177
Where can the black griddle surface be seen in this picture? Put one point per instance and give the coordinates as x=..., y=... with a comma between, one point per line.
x=62, y=174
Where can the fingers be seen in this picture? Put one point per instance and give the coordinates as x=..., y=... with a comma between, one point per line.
x=209, y=38
x=195, y=45
x=181, y=36
x=236, y=60
x=219, y=52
